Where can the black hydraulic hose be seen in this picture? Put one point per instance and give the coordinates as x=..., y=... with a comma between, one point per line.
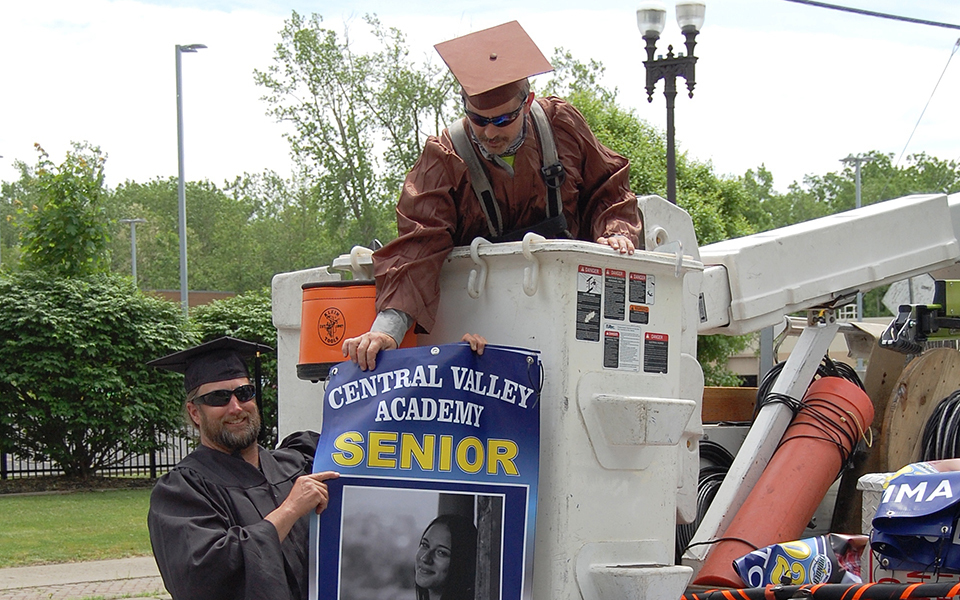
x=941, y=438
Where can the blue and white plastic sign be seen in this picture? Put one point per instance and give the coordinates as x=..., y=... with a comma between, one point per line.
x=432, y=430
x=919, y=494
x=915, y=527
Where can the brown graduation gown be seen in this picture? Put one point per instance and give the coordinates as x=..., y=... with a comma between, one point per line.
x=438, y=209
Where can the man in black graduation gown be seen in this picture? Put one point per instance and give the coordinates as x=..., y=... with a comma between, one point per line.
x=231, y=520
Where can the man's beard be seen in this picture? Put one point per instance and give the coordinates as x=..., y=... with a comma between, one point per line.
x=508, y=148
x=231, y=440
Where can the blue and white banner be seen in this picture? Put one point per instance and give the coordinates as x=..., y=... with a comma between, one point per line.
x=915, y=527
x=438, y=451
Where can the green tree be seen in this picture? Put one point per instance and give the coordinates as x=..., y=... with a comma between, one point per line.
x=223, y=246
x=248, y=317
x=288, y=230
x=74, y=386
x=64, y=230
x=11, y=194
x=158, y=240
x=758, y=185
x=821, y=195
x=344, y=107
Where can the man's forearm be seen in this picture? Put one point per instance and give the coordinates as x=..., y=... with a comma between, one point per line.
x=392, y=322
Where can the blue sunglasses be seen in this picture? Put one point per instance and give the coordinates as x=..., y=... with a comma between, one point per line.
x=498, y=121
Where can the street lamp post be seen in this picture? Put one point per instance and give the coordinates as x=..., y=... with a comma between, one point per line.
x=651, y=18
x=133, y=244
x=182, y=203
x=856, y=161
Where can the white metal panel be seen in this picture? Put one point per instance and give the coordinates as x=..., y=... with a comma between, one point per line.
x=714, y=309
x=665, y=223
x=611, y=486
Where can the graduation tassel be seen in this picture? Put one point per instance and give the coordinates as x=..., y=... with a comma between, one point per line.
x=262, y=437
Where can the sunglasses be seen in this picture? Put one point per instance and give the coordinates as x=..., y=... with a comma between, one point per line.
x=498, y=121
x=244, y=393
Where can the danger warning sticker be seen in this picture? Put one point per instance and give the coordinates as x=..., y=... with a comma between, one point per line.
x=639, y=314
x=615, y=294
x=621, y=347
x=589, y=296
x=643, y=288
x=656, y=347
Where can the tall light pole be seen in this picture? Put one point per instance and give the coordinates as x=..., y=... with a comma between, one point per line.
x=182, y=202
x=856, y=161
x=651, y=18
x=133, y=244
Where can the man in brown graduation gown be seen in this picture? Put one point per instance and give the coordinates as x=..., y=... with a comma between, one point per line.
x=439, y=209
x=231, y=520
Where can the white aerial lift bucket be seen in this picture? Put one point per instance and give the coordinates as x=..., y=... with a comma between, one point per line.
x=620, y=404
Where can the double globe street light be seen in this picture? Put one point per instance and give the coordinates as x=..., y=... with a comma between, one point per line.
x=651, y=18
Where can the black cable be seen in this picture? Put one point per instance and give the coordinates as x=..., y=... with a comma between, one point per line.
x=716, y=454
x=708, y=482
x=922, y=112
x=711, y=475
x=871, y=13
x=936, y=429
x=766, y=383
x=827, y=429
x=827, y=368
x=940, y=439
x=724, y=539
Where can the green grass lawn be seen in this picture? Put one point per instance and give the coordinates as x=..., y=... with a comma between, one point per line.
x=54, y=528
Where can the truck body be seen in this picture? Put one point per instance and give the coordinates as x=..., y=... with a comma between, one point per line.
x=622, y=392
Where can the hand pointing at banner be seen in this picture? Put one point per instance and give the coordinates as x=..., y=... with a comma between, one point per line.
x=309, y=493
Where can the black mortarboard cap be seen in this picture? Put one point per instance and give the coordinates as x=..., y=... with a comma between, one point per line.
x=221, y=359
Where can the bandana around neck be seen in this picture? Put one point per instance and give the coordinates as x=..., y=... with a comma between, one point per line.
x=509, y=151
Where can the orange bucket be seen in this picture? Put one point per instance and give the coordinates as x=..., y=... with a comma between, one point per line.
x=332, y=311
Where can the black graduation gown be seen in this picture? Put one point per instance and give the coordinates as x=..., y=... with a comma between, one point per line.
x=208, y=531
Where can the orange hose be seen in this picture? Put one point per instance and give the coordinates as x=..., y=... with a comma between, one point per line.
x=812, y=452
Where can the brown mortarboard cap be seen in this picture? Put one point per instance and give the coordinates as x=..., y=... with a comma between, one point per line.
x=219, y=360
x=490, y=65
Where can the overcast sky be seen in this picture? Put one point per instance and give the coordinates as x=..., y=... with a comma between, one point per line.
x=787, y=85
